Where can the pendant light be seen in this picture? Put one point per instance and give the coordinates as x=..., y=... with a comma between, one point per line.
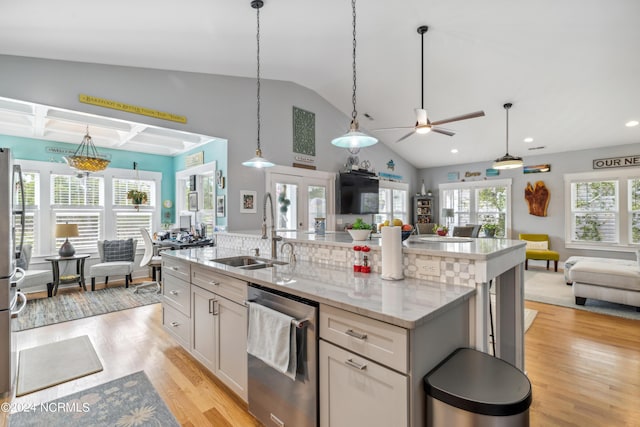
x=258, y=161
x=86, y=158
x=354, y=139
x=508, y=161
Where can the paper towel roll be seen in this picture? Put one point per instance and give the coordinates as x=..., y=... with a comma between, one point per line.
x=392, y=253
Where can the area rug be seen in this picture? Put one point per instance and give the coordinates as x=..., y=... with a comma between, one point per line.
x=76, y=305
x=550, y=288
x=126, y=402
x=58, y=362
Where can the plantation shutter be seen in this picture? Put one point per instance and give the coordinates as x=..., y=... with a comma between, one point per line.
x=88, y=228
x=122, y=186
x=594, y=211
x=128, y=225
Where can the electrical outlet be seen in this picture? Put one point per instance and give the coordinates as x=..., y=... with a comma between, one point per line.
x=339, y=256
x=428, y=267
x=323, y=253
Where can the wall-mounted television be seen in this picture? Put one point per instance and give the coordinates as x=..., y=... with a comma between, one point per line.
x=357, y=193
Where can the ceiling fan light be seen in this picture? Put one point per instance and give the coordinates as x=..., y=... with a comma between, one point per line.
x=508, y=162
x=423, y=129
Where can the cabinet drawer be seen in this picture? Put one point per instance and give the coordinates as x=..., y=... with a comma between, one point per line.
x=376, y=340
x=226, y=286
x=176, y=294
x=177, y=324
x=175, y=267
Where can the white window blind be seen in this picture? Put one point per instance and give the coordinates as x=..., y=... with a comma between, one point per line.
x=122, y=186
x=89, y=224
x=594, y=211
x=128, y=225
x=69, y=190
x=31, y=183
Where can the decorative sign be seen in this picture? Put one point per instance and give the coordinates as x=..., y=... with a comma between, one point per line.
x=492, y=172
x=304, y=159
x=471, y=174
x=390, y=176
x=134, y=109
x=536, y=169
x=303, y=166
x=616, y=162
x=304, y=132
x=453, y=176
x=68, y=152
x=194, y=159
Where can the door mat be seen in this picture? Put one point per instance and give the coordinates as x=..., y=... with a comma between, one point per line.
x=128, y=401
x=55, y=363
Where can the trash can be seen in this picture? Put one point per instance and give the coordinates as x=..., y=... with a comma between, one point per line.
x=474, y=389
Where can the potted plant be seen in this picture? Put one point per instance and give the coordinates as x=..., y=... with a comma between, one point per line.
x=137, y=197
x=440, y=230
x=359, y=230
x=490, y=229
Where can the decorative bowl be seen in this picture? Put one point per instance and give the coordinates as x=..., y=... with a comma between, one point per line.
x=406, y=234
x=359, y=235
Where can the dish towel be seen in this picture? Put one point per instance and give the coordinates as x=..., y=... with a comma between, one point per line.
x=272, y=339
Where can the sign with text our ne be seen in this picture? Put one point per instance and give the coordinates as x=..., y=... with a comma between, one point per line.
x=616, y=162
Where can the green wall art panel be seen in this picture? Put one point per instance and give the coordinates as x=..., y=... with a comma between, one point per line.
x=304, y=132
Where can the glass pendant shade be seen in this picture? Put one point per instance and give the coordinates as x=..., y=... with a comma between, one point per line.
x=86, y=157
x=354, y=139
x=508, y=161
x=258, y=161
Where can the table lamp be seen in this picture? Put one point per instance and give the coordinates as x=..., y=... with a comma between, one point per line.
x=66, y=231
x=447, y=213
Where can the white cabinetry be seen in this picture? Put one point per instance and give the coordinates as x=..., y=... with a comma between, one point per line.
x=356, y=388
x=219, y=325
x=176, y=311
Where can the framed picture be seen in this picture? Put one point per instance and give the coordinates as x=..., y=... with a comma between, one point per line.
x=537, y=169
x=248, y=201
x=192, y=183
x=193, y=201
x=220, y=206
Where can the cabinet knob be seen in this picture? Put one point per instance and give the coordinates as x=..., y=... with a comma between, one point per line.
x=173, y=292
x=174, y=324
x=214, y=283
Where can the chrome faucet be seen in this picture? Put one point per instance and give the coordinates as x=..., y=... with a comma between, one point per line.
x=274, y=238
x=292, y=256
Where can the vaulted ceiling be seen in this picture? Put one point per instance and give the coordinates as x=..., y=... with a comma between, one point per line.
x=570, y=68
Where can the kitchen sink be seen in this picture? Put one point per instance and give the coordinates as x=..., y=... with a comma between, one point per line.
x=248, y=262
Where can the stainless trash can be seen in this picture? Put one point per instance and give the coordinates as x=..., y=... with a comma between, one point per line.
x=474, y=389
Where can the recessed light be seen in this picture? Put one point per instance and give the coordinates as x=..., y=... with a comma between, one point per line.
x=631, y=123
x=454, y=150
x=528, y=139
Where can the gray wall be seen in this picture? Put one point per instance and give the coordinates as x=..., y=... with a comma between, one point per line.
x=553, y=223
x=214, y=105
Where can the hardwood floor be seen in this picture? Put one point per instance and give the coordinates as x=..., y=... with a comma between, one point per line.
x=584, y=367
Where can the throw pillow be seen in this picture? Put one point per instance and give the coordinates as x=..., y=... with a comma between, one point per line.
x=538, y=246
x=118, y=250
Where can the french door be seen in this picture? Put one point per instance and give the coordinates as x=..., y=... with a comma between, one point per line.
x=300, y=196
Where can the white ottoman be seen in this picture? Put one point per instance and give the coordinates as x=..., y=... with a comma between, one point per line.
x=606, y=281
x=571, y=261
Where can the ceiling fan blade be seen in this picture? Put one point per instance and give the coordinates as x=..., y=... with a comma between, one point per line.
x=458, y=118
x=394, y=128
x=405, y=137
x=443, y=131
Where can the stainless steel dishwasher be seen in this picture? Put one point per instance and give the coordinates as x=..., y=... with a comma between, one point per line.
x=275, y=399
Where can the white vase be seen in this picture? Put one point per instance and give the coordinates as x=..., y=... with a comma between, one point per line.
x=423, y=192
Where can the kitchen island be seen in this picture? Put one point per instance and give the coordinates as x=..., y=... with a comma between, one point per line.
x=377, y=338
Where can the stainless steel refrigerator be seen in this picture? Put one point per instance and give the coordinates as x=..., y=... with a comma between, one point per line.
x=12, y=301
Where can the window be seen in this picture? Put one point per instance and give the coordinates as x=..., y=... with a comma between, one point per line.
x=121, y=188
x=127, y=221
x=393, y=202
x=485, y=202
x=604, y=209
x=205, y=181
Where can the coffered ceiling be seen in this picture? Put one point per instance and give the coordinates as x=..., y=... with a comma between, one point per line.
x=569, y=67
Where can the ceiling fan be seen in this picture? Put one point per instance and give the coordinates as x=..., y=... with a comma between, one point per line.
x=423, y=124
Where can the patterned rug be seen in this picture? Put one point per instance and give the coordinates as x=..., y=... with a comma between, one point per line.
x=76, y=305
x=125, y=402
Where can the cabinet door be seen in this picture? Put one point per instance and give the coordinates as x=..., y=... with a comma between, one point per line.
x=231, y=335
x=357, y=392
x=203, y=343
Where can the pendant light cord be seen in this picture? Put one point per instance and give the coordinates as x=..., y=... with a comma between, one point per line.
x=507, y=107
x=258, y=69
x=421, y=69
x=354, y=113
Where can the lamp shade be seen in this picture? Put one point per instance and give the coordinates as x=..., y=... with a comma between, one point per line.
x=508, y=162
x=67, y=230
x=447, y=213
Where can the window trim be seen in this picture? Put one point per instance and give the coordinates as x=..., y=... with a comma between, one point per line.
x=622, y=176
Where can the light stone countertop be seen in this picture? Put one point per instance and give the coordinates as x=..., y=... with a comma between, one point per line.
x=407, y=303
x=470, y=248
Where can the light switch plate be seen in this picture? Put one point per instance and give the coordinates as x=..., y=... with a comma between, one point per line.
x=428, y=267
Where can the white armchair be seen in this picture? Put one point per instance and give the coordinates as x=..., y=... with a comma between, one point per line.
x=34, y=280
x=117, y=257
